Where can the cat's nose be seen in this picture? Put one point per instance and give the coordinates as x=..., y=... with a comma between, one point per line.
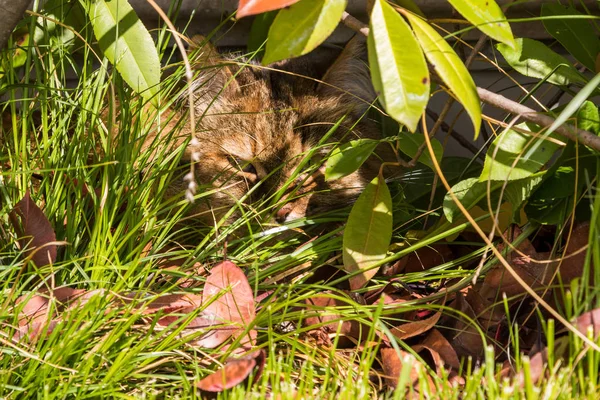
x=283, y=213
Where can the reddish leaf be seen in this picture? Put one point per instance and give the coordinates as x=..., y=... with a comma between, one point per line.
x=230, y=303
x=251, y=7
x=590, y=319
x=35, y=231
x=35, y=317
x=234, y=372
x=36, y=307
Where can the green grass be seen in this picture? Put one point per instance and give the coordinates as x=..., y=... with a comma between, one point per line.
x=104, y=198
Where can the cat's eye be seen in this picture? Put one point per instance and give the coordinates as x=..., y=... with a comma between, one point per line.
x=243, y=165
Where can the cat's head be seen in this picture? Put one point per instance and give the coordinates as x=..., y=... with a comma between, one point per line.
x=257, y=126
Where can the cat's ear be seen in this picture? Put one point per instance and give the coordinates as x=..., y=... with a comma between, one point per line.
x=214, y=82
x=349, y=76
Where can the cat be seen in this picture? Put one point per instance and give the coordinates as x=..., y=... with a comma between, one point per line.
x=257, y=124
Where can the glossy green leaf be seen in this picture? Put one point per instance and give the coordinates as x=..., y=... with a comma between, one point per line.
x=518, y=192
x=536, y=60
x=508, y=159
x=368, y=232
x=588, y=117
x=347, y=158
x=410, y=143
x=469, y=192
x=398, y=69
x=575, y=34
x=553, y=200
x=259, y=31
x=127, y=44
x=449, y=67
x=487, y=16
x=302, y=27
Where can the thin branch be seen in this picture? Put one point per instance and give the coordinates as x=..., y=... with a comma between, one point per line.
x=354, y=24
x=566, y=130
x=585, y=137
x=456, y=136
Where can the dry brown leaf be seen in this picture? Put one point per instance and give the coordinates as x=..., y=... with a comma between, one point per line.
x=466, y=339
x=392, y=364
x=421, y=260
x=331, y=321
x=572, y=267
x=414, y=328
x=35, y=232
x=442, y=352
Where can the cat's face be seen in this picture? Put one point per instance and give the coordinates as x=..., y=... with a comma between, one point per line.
x=257, y=126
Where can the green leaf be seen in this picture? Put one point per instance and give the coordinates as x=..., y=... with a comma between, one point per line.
x=410, y=143
x=259, y=33
x=588, y=117
x=487, y=16
x=508, y=158
x=127, y=45
x=302, y=27
x=536, y=60
x=449, y=67
x=575, y=34
x=469, y=192
x=347, y=158
x=368, y=232
x=553, y=200
x=518, y=192
x=398, y=69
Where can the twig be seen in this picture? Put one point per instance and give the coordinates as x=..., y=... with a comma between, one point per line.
x=455, y=135
x=566, y=130
x=585, y=137
x=354, y=24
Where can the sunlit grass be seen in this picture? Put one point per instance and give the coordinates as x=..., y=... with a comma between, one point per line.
x=104, y=196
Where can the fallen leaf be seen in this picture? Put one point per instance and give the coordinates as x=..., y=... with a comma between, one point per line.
x=590, y=319
x=393, y=363
x=35, y=232
x=329, y=321
x=421, y=260
x=234, y=372
x=441, y=351
x=230, y=304
x=573, y=267
x=415, y=328
x=466, y=338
